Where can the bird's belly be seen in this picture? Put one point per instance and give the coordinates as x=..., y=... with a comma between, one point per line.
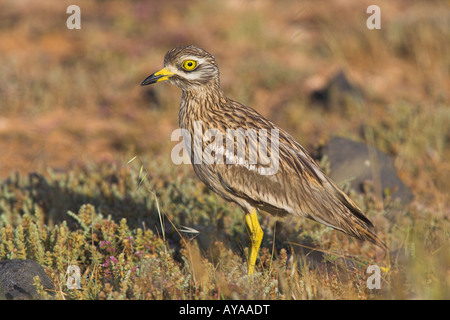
x=210, y=175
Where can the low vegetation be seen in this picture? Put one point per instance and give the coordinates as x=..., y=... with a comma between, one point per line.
x=85, y=173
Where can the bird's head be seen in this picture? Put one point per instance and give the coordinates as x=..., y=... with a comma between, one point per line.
x=187, y=67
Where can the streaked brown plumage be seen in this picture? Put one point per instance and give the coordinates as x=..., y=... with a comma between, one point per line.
x=298, y=187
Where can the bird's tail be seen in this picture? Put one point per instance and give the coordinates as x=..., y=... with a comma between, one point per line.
x=366, y=233
x=359, y=225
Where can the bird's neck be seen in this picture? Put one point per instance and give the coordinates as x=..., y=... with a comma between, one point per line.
x=200, y=105
x=206, y=91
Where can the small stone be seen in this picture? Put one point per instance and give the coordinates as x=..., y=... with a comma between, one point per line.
x=337, y=93
x=350, y=160
x=16, y=279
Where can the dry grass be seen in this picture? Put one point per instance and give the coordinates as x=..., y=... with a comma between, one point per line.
x=71, y=101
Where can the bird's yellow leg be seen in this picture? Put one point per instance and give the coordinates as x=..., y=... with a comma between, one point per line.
x=256, y=235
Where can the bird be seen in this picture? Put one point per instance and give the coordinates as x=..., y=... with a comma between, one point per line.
x=282, y=180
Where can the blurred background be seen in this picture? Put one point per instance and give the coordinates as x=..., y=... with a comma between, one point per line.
x=73, y=115
x=71, y=96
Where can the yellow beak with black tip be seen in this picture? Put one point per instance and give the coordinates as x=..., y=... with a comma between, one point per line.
x=161, y=75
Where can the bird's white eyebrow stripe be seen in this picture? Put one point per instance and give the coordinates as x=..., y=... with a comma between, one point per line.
x=190, y=57
x=187, y=75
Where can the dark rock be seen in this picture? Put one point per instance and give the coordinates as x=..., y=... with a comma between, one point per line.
x=336, y=93
x=151, y=97
x=16, y=279
x=350, y=160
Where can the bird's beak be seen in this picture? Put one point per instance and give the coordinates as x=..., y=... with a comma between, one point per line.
x=161, y=75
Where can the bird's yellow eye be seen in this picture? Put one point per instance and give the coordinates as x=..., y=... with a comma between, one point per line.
x=189, y=65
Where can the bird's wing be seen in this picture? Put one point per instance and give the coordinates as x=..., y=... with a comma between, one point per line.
x=298, y=187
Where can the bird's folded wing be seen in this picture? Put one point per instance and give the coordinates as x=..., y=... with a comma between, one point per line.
x=297, y=188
